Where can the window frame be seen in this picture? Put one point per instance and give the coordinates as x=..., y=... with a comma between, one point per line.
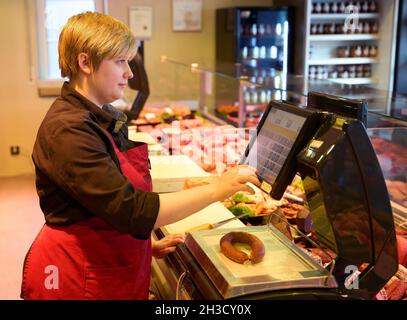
x=47, y=86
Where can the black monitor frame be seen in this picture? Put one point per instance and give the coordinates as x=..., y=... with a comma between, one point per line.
x=343, y=107
x=313, y=120
x=139, y=82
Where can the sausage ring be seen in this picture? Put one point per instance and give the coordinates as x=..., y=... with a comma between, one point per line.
x=256, y=245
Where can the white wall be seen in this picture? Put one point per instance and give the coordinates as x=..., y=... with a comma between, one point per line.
x=22, y=109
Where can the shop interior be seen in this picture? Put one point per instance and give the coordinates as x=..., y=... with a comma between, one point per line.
x=309, y=92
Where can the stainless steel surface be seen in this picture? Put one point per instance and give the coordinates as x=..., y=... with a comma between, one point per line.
x=284, y=264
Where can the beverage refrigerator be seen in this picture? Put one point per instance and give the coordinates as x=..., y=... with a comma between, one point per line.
x=254, y=45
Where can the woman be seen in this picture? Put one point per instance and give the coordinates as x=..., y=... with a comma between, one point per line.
x=94, y=184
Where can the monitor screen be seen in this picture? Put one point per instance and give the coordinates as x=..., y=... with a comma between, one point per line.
x=282, y=132
x=349, y=108
x=274, y=142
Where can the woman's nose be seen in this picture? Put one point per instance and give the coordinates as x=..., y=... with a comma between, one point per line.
x=129, y=73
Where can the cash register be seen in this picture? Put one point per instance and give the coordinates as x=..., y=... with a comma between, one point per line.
x=348, y=203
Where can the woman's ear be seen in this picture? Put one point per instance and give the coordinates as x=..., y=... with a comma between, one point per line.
x=84, y=63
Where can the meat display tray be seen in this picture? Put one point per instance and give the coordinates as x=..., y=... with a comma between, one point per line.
x=284, y=264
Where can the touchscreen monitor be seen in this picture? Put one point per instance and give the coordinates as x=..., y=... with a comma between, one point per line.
x=349, y=108
x=282, y=132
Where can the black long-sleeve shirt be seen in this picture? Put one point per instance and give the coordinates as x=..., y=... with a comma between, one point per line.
x=78, y=175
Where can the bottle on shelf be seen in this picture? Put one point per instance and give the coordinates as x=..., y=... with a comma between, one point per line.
x=273, y=52
x=356, y=51
x=245, y=52
x=247, y=97
x=317, y=8
x=263, y=97
x=374, y=27
x=256, y=52
x=342, y=7
x=312, y=72
x=373, y=51
x=326, y=8
x=367, y=71
x=262, y=52
x=366, y=27
x=254, y=97
x=372, y=6
x=320, y=29
x=352, y=71
x=334, y=7
x=343, y=52
x=365, y=7
x=262, y=29
x=365, y=51
x=333, y=74
x=254, y=29
x=359, y=71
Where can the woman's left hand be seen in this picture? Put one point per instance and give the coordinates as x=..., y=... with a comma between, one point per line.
x=166, y=245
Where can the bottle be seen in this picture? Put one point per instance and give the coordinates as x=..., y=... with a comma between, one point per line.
x=342, y=7
x=334, y=7
x=254, y=29
x=365, y=51
x=247, y=97
x=273, y=52
x=263, y=97
x=373, y=51
x=326, y=7
x=262, y=29
x=333, y=74
x=372, y=6
x=365, y=7
x=245, y=52
x=256, y=52
x=263, y=52
x=331, y=28
x=367, y=71
x=312, y=72
x=254, y=99
x=366, y=27
x=374, y=27
x=318, y=8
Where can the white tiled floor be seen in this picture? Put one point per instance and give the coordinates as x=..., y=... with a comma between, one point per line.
x=20, y=220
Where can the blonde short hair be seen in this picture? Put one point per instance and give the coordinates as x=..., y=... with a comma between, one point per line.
x=98, y=35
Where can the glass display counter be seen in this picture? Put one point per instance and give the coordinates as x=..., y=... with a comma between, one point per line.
x=197, y=106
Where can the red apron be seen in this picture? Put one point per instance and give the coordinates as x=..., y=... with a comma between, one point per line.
x=90, y=259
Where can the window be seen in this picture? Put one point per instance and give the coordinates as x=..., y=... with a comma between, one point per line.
x=51, y=16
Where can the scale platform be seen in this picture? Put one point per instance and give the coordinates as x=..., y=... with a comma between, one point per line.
x=284, y=265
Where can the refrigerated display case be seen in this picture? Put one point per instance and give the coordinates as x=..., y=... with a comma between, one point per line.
x=253, y=44
x=209, y=131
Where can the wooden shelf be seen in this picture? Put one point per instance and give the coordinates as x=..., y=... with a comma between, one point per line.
x=336, y=61
x=340, y=16
x=343, y=37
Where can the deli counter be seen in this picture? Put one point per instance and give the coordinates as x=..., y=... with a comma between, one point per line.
x=333, y=228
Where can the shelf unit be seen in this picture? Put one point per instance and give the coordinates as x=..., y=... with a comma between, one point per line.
x=343, y=37
x=342, y=61
x=354, y=81
x=321, y=49
x=341, y=16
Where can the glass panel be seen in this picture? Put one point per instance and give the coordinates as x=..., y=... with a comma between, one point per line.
x=57, y=13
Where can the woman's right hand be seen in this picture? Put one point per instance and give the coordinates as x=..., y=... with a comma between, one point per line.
x=235, y=180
